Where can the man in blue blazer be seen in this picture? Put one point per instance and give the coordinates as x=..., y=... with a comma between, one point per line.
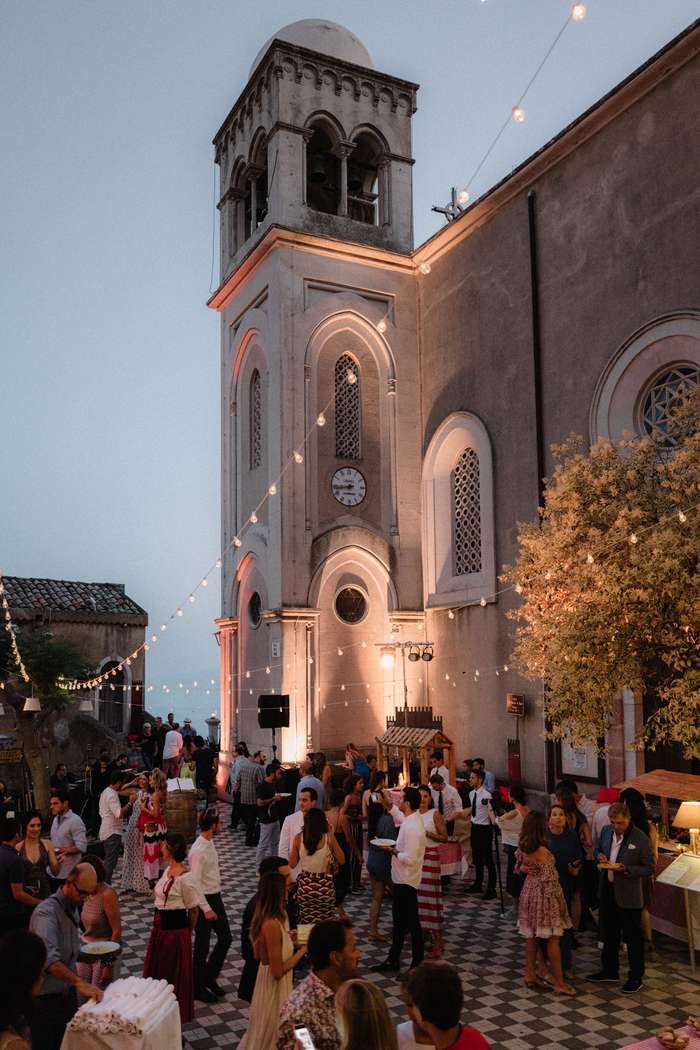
x=626, y=852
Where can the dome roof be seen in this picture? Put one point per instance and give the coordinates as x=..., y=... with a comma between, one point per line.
x=328, y=38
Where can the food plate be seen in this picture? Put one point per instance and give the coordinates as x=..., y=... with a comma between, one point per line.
x=284, y=794
x=382, y=842
x=605, y=865
x=98, y=949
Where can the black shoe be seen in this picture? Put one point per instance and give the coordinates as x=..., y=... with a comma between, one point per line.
x=205, y=996
x=631, y=985
x=216, y=989
x=474, y=889
x=490, y=895
x=602, y=978
x=385, y=967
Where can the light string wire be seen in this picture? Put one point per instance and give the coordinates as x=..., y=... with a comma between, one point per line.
x=576, y=14
x=296, y=458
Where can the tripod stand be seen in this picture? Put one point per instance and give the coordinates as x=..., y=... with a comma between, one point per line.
x=496, y=836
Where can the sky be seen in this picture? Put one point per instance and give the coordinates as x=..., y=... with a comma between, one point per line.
x=109, y=359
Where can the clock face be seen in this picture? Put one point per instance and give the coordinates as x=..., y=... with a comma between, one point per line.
x=348, y=486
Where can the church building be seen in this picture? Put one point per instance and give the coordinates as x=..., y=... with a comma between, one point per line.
x=387, y=410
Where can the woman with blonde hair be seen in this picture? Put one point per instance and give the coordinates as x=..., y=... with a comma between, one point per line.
x=362, y=1017
x=152, y=823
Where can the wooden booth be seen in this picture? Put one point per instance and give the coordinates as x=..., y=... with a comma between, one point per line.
x=414, y=742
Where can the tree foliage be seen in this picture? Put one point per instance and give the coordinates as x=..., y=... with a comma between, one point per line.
x=609, y=584
x=48, y=660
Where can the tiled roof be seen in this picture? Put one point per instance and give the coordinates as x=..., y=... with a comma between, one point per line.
x=92, y=601
x=402, y=736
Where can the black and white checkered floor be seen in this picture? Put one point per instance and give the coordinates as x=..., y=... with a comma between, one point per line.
x=489, y=954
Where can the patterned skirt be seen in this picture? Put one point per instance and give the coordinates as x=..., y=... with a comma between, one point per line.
x=315, y=896
x=153, y=835
x=430, y=892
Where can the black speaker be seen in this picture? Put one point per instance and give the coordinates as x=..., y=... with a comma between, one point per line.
x=273, y=711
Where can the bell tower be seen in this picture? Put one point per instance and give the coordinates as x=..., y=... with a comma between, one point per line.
x=320, y=449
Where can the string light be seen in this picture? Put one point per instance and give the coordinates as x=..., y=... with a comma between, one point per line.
x=218, y=563
x=462, y=196
x=352, y=378
x=272, y=489
x=204, y=582
x=298, y=458
x=634, y=538
x=381, y=326
x=237, y=541
x=482, y=603
x=191, y=598
x=518, y=114
x=180, y=612
x=321, y=419
x=451, y=614
x=253, y=519
x=590, y=559
x=424, y=268
x=578, y=12
x=682, y=517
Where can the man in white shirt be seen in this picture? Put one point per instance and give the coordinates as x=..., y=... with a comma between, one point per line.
x=294, y=824
x=204, y=865
x=406, y=870
x=481, y=836
x=446, y=799
x=112, y=815
x=479, y=766
x=438, y=767
x=172, y=746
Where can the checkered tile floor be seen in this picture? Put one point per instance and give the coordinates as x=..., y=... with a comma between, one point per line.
x=489, y=953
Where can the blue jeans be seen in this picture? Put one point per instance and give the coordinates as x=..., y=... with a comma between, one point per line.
x=111, y=847
x=269, y=842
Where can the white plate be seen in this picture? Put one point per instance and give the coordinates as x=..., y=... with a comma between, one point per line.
x=99, y=947
x=382, y=842
x=284, y=794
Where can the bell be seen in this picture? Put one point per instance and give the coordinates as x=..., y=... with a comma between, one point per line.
x=354, y=183
x=317, y=172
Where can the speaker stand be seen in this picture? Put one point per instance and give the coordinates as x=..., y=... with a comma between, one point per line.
x=274, y=746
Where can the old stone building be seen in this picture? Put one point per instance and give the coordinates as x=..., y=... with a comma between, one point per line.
x=387, y=410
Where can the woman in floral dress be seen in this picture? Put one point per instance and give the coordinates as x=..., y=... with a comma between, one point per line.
x=542, y=912
x=133, y=877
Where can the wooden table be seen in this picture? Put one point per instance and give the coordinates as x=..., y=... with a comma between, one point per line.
x=665, y=785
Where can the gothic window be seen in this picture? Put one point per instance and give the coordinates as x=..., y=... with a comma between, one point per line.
x=466, y=514
x=347, y=409
x=255, y=409
x=363, y=180
x=663, y=398
x=322, y=174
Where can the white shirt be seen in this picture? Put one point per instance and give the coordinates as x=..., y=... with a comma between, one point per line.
x=407, y=861
x=614, y=850
x=441, y=771
x=292, y=826
x=397, y=816
x=511, y=824
x=480, y=813
x=204, y=865
x=172, y=745
x=183, y=892
x=110, y=814
x=451, y=801
x=588, y=807
x=406, y=1040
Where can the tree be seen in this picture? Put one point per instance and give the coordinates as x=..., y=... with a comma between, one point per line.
x=48, y=661
x=609, y=582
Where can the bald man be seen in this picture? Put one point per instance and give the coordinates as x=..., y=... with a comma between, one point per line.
x=56, y=920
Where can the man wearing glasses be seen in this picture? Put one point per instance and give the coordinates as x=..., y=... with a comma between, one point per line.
x=56, y=920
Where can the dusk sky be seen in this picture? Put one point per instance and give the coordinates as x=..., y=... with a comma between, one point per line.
x=110, y=377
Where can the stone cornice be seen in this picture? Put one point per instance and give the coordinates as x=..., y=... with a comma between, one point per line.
x=271, y=65
x=277, y=237
x=292, y=614
x=663, y=64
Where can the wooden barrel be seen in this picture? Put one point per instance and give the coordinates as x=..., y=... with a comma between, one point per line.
x=181, y=813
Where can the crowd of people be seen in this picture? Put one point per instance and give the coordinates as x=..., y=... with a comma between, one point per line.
x=56, y=893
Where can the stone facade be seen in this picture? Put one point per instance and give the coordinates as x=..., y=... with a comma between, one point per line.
x=598, y=231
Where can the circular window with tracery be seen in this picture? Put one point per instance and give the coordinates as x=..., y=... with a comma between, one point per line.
x=663, y=398
x=255, y=609
x=351, y=605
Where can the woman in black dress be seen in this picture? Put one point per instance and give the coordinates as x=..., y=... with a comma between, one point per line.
x=352, y=811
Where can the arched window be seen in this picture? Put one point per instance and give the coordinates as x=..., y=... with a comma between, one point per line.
x=348, y=403
x=363, y=180
x=255, y=410
x=466, y=514
x=459, y=556
x=663, y=397
x=322, y=174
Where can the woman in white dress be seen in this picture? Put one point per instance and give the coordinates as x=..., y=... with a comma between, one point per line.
x=272, y=944
x=133, y=877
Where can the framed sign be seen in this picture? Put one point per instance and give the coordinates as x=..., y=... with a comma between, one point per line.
x=580, y=762
x=515, y=704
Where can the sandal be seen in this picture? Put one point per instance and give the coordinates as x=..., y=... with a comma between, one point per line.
x=565, y=989
x=535, y=984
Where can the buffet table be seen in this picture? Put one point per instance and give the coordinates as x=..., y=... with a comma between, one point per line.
x=151, y=1031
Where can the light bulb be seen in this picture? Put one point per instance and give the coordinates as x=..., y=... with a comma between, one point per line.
x=311, y=660
x=476, y=673
x=211, y=681
x=346, y=703
x=424, y=268
x=363, y=644
x=590, y=559
x=247, y=674
x=682, y=517
x=154, y=637
x=518, y=114
x=321, y=419
x=381, y=326
x=237, y=541
x=633, y=538
x=192, y=598
x=447, y=678
x=219, y=563
x=204, y=581
x=352, y=378
x=505, y=667
x=387, y=657
x=194, y=685
x=340, y=652
x=267, y=670
x=518, y=588
x=463, y=195
x=342, y=688
x=298, y=458
x=482, y=603
x=548, y=575
x=272, y=489
x=253, y=518
x=180, y=612
x=451, y=615
x=578, y=12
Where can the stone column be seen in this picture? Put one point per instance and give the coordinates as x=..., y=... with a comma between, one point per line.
x=342, y=150
x=228, y=692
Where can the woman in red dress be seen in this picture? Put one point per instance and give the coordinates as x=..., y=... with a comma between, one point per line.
x=169, y=953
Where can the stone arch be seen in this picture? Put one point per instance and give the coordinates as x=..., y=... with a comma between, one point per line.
x=112, y=710
x=322, y=163
x=444, y=584
x=670, y=339
x=248, y=482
